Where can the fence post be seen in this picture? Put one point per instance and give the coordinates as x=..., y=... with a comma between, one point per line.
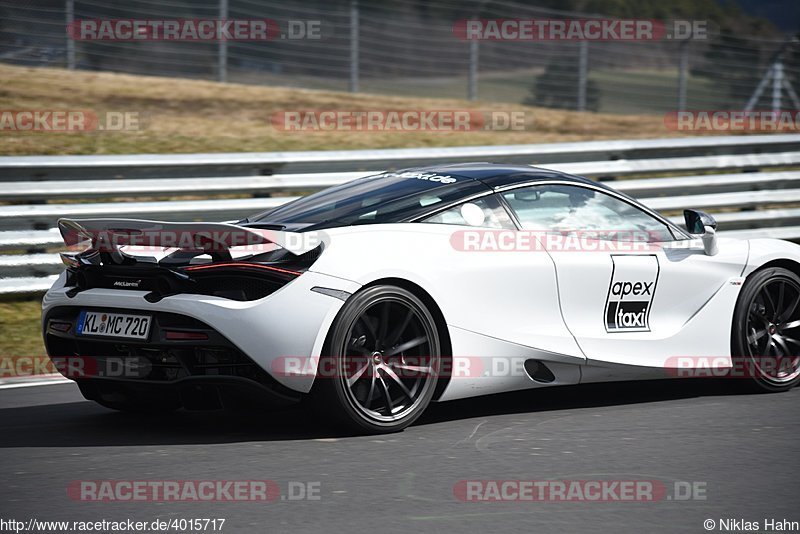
x=583, y=67
x=777, y=87
x=472, y=80
x=354, y=46
x=69, y=10
x=222, y=46
x=683, y=71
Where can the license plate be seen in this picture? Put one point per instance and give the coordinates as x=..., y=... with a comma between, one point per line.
x=118, y=325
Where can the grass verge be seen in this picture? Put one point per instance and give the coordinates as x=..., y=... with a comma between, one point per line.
x=182, y=115
x=21, y=346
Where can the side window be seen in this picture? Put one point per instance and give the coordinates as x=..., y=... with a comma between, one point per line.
x=567, y=208
x=484, y=212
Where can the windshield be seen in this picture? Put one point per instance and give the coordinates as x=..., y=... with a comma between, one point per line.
x=383, y=198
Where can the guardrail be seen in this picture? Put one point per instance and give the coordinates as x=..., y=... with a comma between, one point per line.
x=269, y=163
x=750, y=183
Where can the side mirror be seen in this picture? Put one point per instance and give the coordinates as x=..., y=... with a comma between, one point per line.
x=531, y=195
x=704, y=225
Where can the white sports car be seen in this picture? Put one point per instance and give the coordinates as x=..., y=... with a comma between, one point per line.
x=376, y=297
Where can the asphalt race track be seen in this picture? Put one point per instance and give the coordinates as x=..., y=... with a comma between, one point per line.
x=742, y=449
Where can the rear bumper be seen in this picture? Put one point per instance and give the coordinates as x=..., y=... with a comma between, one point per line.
x=290, y=323
x=193, y=393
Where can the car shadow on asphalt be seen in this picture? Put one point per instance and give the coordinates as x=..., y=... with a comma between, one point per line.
x=577, y=397
x=84, y=424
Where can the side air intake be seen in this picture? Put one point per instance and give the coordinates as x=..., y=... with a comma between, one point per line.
x=539, y=371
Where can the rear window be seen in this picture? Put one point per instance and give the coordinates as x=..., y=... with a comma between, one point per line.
x=386, y=197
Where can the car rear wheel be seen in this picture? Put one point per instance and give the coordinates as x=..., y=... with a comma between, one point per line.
x=382, y=360
x=766, y=330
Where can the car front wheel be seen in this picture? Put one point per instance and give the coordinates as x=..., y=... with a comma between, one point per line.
x=766, y=330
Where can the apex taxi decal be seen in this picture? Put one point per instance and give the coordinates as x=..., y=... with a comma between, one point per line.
x=631, y=292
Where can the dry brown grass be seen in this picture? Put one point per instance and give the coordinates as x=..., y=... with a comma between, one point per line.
x=21, y=338
x=199, y=116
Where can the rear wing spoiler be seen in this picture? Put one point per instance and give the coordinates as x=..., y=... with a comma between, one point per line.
x=215, y=239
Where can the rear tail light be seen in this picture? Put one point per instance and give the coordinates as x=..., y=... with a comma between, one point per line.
x=179, y=335
x=229, y=265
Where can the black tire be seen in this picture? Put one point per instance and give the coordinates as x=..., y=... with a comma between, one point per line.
x=765, y=336
x=381, y=362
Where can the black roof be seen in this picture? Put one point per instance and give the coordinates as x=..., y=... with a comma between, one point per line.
x=500, y=175
x=402, y=195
